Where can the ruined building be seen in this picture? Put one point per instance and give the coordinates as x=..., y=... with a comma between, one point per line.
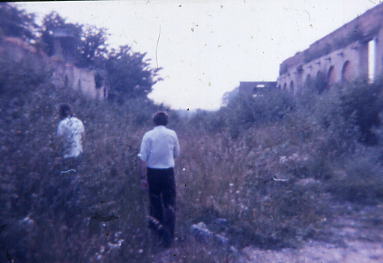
x=250, y=88
x=353, y=51
x=90, y=82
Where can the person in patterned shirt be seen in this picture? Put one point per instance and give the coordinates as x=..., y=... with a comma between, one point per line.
x=71, y=131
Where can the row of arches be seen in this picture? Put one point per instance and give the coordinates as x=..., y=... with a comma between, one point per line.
x=322, y=80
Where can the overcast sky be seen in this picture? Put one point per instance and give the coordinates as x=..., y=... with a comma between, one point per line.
x=206, y=47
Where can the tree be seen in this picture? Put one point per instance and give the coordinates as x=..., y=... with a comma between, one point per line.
x=93, y=47
x=87, y=44
x=229, y=96
x=51, y=23
x=130, y=74
x=16, y=22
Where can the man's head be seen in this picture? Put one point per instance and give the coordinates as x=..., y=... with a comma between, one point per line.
x=160, y=118
x=65, y=111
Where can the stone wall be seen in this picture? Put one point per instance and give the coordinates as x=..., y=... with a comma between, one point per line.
x=340, y=56
x=64, y=75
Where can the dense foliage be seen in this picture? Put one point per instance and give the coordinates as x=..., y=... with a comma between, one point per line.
x=276, y=164
x=130, y=73
x=50, y=217
x=17, y=23
x=272, y=166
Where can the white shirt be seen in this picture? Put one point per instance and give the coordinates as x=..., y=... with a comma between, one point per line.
x=71, y=131
x=159, y=147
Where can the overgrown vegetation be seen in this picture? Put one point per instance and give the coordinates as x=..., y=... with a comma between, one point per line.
x=271, y=165
x=353, y=35
x=277, y=161
x=16, y=22
x=130, y=73
x=47, y=217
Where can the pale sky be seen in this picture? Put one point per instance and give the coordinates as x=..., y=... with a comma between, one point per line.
x=206, y=47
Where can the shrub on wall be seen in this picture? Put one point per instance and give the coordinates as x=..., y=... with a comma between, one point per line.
x=259, y=109
x=352, y=111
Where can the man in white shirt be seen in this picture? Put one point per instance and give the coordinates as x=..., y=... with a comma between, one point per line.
x=159, y=148
x=71, y=132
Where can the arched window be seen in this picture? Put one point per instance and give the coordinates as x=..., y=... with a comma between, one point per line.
x=292, y=88
x=346, y=72
x=371, y=50
x=319, y=75
x=331, y=78
x=284, y=86
x=308, y=82
x=66, y=81
x=99, y=80
x=320, y=83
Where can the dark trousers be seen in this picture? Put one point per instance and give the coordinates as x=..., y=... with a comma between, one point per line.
x=162, y=197
x=72, y=163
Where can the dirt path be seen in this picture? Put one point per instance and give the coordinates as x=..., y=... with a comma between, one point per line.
x=355, y=236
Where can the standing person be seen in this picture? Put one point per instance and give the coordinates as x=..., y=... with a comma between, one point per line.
x=159, y=148
x=71, y=132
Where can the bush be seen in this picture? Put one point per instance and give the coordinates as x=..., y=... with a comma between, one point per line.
x=242, y=112
x=359, y=179
x=351, y=113
x=234, y=180
x=271, y=182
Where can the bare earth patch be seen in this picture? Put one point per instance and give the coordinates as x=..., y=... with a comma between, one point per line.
x=355, y=236
x=319, y=252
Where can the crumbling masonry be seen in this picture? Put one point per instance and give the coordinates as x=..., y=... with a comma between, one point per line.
x=90, y=82
x=353, y=51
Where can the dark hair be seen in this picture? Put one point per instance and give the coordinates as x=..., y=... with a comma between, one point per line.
x=65, y=110
x=160, y=118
